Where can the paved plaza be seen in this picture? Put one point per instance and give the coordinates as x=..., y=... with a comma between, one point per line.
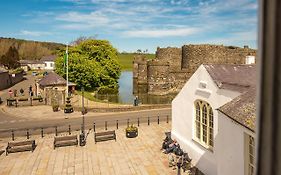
x=141, y=155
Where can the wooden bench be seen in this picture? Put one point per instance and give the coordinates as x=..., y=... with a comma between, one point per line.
x=104, y=136
x=65, y=140
x=2, y=150
x=19, y=146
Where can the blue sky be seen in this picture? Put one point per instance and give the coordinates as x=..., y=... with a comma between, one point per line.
x=133, y=24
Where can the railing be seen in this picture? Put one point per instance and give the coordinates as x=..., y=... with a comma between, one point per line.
x=98, y=124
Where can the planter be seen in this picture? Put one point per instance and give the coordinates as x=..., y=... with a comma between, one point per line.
x=131, y=131
x=131, y=134
x=55, y=108
x=68, y=109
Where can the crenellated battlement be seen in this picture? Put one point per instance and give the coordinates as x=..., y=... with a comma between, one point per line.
x=172, y=67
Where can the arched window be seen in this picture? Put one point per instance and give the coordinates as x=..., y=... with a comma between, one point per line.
x=204, y=123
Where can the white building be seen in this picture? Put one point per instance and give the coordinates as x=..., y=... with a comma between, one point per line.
x=213, y=118
x=49, y=62
x=32, y=65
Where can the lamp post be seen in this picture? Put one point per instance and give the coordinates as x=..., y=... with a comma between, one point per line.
x=83, y=112
x=82, y=139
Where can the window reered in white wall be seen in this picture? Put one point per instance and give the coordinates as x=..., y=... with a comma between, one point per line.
x=204, y=123
x=251, y=154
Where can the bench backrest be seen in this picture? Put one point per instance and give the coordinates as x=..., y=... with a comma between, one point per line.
x=105, y=133
x=21, y=143
x=62, y=138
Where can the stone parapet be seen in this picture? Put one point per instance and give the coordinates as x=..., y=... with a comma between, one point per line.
x=172, y=67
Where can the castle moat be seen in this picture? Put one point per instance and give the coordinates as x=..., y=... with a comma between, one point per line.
x=126, y=95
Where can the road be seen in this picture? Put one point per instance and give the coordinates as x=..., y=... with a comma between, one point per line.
x=9, y=122
x=20, y=124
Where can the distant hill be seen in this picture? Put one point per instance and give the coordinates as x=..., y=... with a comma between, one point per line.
x=30, y=50
x=126, y=59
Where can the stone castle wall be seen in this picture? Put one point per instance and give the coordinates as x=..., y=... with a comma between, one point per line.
x=172, y=67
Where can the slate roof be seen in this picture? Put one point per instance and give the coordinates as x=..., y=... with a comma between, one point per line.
x=25, y=62
x=233, y=77
x=52, y=79
x=49, y=58
x=242, y=109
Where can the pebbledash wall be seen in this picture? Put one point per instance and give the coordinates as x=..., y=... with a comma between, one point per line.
x=172, y=67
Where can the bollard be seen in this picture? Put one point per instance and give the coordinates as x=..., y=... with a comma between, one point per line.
x=27, y=133
x=42, y=134
x=167, y=118
x=56, y=130
x=105, y=125
x=158, y=120
x=13, y=135
x=148, y=122
x=69, y=130
x=117, y=124
x=94, y=127
x=128, y=121
x=138, y=121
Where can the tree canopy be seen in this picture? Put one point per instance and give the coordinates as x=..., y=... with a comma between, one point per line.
x=11, y=59
x=92, y=64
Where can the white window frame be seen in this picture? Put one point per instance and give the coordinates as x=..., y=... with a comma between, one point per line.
x=249, y=155
x=209, y=124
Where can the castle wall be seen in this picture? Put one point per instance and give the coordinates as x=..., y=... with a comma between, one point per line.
x=172, y=67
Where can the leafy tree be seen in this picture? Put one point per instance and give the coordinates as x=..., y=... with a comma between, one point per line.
x=11, y=58
x=92, y=64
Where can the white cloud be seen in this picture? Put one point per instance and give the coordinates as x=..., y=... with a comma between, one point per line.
x=34, y=33
x=161, y=33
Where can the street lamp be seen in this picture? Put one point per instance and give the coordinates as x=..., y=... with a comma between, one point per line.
x=82, y=138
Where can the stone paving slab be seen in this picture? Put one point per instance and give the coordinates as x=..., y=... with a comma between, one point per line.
x=140, y=156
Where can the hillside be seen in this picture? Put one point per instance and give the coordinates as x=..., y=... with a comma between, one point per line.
x=31, y=50
x=126, y=59
x=34, y=50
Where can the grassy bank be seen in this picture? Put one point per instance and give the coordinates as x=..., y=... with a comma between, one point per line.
x=126, y=60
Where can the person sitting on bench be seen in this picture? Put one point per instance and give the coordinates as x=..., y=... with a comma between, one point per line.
x=171, y=147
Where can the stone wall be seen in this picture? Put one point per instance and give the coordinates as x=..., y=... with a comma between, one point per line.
x=172, y=67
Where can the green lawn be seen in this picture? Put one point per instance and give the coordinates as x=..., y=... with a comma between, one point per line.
x=126, y=60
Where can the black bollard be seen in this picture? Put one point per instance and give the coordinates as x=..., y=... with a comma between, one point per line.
x=94, y=127
x=116, y=124
x=27, y=133
x=56, y=130
x=148, y=122
x=105, y=124
x=158, y=120
x=42, y=133
x=138, y=121
x=69, y=130
x=13, y=135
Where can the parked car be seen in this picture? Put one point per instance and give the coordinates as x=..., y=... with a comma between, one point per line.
x=45, y=73
x=34, y=73
x=1, y=101
x=23, y=73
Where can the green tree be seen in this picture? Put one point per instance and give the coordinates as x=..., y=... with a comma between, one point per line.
x=11, y=58
x=92, y=64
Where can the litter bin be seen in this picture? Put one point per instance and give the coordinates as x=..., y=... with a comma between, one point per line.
x=82, y=140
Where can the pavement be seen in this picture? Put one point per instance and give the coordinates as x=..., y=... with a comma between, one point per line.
x=140, y=155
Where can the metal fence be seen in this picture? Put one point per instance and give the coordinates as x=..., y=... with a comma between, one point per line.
x=96, y=125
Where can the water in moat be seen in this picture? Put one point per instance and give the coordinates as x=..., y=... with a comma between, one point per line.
x=126, y=96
